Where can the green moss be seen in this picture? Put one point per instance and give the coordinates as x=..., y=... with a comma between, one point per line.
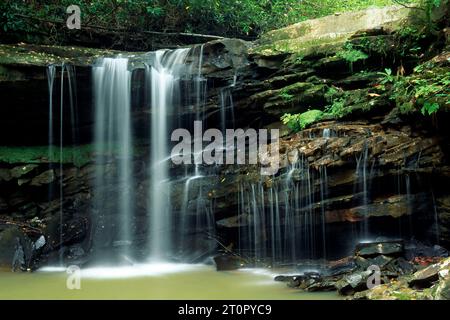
x=300, y=47
x=45, y=55
x=77, y=155
x=286, y=96
x=291, y=32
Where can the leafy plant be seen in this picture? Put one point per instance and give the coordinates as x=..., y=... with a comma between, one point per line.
x=387, y=76
x=426, y=90
x=299, y=121
x=430, y=108
x=351, y=55
x=337, y=109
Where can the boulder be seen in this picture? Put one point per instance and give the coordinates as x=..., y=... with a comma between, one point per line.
x=326, y=284
x=400, y=266
x=44, y=178
x=228, y=262
x=16, y=249
x=317, y=36
x=372, y=249
x=353, y=282
x=381, y=261
x=426, y=277
x=442, y=291
x=20, y=171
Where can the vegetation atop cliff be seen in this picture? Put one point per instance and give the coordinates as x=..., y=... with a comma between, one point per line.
x=44, y=21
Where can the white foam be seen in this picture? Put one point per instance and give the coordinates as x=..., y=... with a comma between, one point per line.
x=133, y=271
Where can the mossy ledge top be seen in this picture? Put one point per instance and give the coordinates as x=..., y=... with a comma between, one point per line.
x=320, y=34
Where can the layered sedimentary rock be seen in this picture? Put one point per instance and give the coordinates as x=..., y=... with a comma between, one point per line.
x=371, y=168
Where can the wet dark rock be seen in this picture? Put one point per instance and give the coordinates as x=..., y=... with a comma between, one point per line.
x=381, y=261
x=352, y=283
x=76, y=252
x=228, y=262
x=5, y=175
x=20, y=171
x=379, y=248
x=417, y=249
x=425, y=278
x=242, y=220
x=282, y=278
x=342, y=266
x=443, y=289
x=44, y=178
x=17, y=250
x=3, y=205
x=295, y=281
x=400, y=266
x=225, y=54
x=322, y=285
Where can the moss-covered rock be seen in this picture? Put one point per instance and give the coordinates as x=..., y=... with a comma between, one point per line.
x=42, y=55
x=325, y=34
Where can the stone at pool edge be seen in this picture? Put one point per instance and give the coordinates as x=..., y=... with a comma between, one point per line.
x=372, y=249
x=228, y=262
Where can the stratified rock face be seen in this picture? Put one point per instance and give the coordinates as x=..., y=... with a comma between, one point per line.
x=369, y=171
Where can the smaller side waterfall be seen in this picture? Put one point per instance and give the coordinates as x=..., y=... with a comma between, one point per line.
x=364, y=174
x=65, y=116
x=227, y=106
x=286, y=220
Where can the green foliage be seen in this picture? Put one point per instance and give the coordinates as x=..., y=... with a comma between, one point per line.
x=337, y=109
x=427, y=90
x=8, y=21
x=300, y=121
x=224, y=17
x=351, y=55
x=430, y=108
x=387, y=77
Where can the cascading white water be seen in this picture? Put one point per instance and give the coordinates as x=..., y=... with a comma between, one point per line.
x=286, y=220
x=364, y=171
x=51, y=73
x=164, y=85
x=227, y=106
x=67, y=72
x=113, y=139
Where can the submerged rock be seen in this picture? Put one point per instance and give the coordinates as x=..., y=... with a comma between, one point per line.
x=228, y=262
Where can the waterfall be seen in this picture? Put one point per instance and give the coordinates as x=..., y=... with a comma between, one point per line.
x=164, y=79
x=364, y=177
x=61, y=176
x=51, y=73
x=227, y=106
x=67, y=71
x=286, y=222
x=113, y=141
